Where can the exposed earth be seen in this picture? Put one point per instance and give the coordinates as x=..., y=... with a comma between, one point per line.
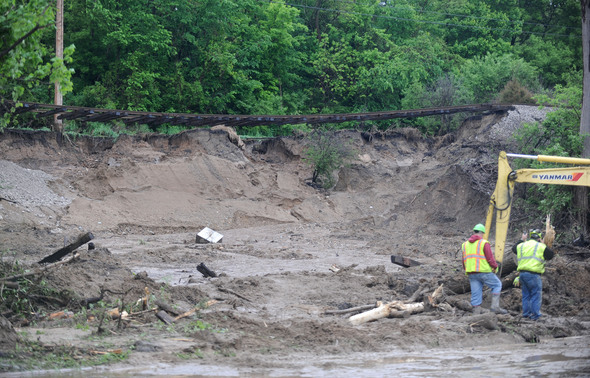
x=291, y=255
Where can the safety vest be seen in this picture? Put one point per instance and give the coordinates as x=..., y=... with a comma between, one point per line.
x=530, y=256
x=474, y=257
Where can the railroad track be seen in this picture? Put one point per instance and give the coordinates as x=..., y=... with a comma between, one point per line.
x=153, y=119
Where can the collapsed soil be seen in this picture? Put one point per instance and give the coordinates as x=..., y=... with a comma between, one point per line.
x=290, y=251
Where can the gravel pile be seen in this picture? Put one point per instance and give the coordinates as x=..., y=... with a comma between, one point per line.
x=28, y=187
x=522, y=114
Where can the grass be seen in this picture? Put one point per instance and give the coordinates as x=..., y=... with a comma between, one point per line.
x=32, y=355
x=197, y=353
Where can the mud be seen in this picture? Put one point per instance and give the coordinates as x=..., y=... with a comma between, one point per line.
x=289, y=253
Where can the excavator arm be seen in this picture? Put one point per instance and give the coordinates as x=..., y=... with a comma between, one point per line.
x=501, y=199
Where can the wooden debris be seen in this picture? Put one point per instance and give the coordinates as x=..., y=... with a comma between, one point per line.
x=165, y=317
x=9, y=285
x=206, y=272
x=38, y=270
x=404, y=261
x=433, y=299
x=184, y=315
x=385, y=310
x=459, y=303
x=83, y=239
x=459, y=283
x=352, y=309
x=145, y=299
x=549, y=232
x=116, y=314
x=133, y=314
x=61, y=315
x=87, y=301
x=234, y=293
x=394, y=309
x=110, y=351
x=211, y=302
x=168, y=308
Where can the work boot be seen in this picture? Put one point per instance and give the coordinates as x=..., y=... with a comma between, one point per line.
x=496, y=305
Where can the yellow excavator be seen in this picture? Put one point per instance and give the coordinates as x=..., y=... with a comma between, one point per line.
x=501, y=199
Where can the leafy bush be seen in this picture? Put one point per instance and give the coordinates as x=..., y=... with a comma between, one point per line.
x=325, y=153
x=515, y=93
x=28, y=293
x=486, y=76
x=447, y=90
x=557, y=135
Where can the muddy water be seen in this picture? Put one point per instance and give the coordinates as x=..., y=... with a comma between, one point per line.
x=567, y=357
x=564, y=357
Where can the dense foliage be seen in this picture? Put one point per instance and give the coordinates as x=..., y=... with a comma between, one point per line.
x=557, y=135
x=289, y=57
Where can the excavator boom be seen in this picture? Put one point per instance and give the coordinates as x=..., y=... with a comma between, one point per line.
x=501, y=199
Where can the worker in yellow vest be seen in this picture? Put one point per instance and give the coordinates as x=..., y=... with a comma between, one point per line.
x=480, y=265
x=531, y=256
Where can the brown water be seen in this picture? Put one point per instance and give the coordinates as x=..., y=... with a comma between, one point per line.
x=567, y=357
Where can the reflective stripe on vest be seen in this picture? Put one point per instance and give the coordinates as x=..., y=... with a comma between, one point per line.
x=474, y=257
x=530, y=256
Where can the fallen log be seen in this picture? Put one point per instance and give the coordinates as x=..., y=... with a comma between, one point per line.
x=404, y=261
x=385, y=310
x=395, y=309
x=9, y=285
x=351, y=309
x=168, y=308
x=459, y=303
x=459, y=284
x=206, y=272
x=83, y=239
x=165, y=317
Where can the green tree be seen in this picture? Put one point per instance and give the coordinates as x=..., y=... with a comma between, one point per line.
x=486, y=76
x=25, y=61
x=557, y=135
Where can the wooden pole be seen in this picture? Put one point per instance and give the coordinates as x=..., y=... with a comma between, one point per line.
x=83, y=239
x=59, y=54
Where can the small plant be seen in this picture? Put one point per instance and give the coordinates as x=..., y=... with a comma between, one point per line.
x=515, y=93
x=325, y=153
x=196, y=353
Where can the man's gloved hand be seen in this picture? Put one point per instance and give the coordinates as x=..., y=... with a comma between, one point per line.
x=516, y=281
x=497, y=270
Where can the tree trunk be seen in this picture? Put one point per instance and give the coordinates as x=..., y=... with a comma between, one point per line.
x=460, y=283
x=581, y=193
x=59, y=54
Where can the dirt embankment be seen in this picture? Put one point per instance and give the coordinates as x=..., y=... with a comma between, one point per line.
x=289, y=251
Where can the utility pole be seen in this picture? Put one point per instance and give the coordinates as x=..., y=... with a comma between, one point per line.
x=581, y=194
x=59, y=53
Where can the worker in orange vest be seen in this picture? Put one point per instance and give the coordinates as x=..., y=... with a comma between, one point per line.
x=480, y=265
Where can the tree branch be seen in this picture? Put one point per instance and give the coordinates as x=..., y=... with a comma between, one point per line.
x=21, y=39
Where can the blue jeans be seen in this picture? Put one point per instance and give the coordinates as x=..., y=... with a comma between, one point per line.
x=477, y=280
x=532, y=289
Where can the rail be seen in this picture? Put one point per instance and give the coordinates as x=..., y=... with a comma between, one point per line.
x=85, y=114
